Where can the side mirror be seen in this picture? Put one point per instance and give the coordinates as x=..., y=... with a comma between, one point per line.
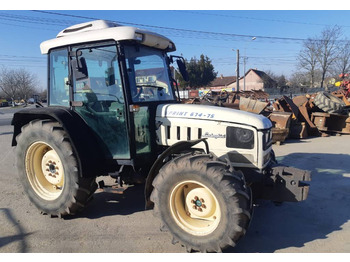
x=182, y=68
x=80, y=68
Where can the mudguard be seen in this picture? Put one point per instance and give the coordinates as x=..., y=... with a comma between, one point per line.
x=176, y=148
x=93, y=158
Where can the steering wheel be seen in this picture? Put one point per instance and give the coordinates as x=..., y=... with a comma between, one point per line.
x=222, y=97
x=139, y=91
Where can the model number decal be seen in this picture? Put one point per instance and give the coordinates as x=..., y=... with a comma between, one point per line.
x=190, y=114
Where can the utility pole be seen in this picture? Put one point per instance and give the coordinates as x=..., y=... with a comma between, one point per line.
x=244, y=61
x=237, y=71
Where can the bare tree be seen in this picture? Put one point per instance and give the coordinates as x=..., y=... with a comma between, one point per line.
x=297, y=79
x=302, y=79
x=25, y=83
x=17, y=83
x=342, y=64
x=8, y=84
x=328, y=48
x=308, y=59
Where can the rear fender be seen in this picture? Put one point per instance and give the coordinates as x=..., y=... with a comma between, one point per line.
x=91, y=154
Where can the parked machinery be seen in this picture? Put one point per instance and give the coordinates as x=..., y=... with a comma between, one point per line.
x=112, y=110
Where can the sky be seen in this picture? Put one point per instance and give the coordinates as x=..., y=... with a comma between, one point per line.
x=270, y=39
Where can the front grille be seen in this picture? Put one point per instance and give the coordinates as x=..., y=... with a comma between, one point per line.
x=267, y=139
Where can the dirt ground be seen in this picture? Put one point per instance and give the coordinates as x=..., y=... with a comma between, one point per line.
x=118, y=223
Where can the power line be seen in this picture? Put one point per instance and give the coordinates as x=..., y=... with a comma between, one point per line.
x=178, y=29
x=37, y=20
x=190, y=31
x=26, y=57
x=177, y=32
x=255, y=18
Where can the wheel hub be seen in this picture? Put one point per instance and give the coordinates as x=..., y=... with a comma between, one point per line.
x=198, y=203
x=52, y=167
x=202, y=203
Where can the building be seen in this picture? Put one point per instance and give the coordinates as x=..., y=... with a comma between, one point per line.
x=256, y=80
x=224, y=82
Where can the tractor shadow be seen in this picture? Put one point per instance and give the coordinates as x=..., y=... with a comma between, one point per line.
x=325, y=211
x=111, y=201
x=289, y=225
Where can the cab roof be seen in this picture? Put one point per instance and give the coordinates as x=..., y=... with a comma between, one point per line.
x=100, y=30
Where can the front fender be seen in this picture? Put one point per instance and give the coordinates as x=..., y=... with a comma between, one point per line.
x=176, y=148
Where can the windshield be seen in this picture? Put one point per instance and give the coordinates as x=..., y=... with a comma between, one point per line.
x=148, y=74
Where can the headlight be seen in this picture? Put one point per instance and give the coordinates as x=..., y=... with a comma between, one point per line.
x=237, y=137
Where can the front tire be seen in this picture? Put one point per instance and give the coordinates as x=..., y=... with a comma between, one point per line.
x=205, y=205
x=49, y=170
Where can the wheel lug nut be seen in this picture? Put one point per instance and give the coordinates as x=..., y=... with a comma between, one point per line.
x=194, y=207
x=196, y=198
x=202, y=200
x=204, y=206
x=199, y=209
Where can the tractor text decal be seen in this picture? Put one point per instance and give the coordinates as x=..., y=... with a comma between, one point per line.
x=211, y=135
x=190, y=114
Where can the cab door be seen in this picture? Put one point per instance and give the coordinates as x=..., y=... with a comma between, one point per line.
x=98, y=96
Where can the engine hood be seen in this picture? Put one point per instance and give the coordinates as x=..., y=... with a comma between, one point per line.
x=213, y=113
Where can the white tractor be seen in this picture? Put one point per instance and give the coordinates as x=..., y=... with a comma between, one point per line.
x=113, y=109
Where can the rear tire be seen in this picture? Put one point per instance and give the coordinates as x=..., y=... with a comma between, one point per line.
x=49, y=171
x=205, y=205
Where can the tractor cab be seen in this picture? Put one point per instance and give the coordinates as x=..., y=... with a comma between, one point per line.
x=113, y=77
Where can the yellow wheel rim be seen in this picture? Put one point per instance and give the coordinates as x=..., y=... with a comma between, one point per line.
x=195, y=208
x=44, y=170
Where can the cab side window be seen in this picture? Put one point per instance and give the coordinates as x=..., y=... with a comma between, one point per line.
x=58, y=87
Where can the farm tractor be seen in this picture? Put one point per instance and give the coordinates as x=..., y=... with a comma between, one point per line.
x=114, y=110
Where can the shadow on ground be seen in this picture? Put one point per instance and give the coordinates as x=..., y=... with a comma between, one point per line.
x=20, y=235
x=295, y=224
x=109, y=202
x=273, y=227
